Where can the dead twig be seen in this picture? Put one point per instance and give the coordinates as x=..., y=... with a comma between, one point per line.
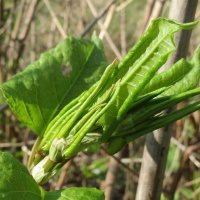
x=156, y=11
x=17, y=144
x=147, y=14
x=63, y=175
x=55, y=19
x=119, y=161
x=123, y=5
x=183, y=148
x=170, y=191
x=107, y=36
x=28, y=18
x=123, y=32
x=107, y=21
x=16, y=42
x=113, y=168
x=97, y=16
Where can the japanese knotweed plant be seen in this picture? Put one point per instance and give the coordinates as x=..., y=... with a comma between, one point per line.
x=75, y=101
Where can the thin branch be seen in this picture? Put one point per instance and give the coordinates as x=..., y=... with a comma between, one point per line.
x=123, y=32
x=193, y=182
x=33, y=42
x=55, y=19
x=107, y=21
x=107, y=36
x=28, y=18
x=19, y=144
x=170, y=191
x=18, y=20
x=177, y=152
x=195, y=193
x=123, y=5
x=97, y=17
x=3, y=107
x=146, y=16
x=63, y=175
x=156, y=12
x=111, y=177
x=120, y=162
x=183, y=148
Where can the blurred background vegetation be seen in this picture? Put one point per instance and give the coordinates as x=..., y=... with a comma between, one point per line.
x=29, y=27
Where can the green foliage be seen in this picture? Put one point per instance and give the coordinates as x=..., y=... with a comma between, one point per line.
x=182, y=76
x=16, y=183
x=97, y=169
x=83, y=193
x=41, y=90
x=70, y=112
x=75, y=194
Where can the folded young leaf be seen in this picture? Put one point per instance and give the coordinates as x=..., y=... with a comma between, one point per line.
x=169, y=77
x=161, y=121
x=182, y=76
x=139, y=67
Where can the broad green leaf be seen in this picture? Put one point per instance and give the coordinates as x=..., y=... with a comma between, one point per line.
x=16, y=183
x=75, y=193
x=38, y=93
x=82, y=193
x=97, y=41
x=52, y=195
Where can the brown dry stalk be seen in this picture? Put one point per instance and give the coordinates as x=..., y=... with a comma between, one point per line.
x=147, y=14
x=156, y=11
x=113, y=169
x=170, y=191
x=55, y=19
x=107, y=21
x=107, y=36
x=63, y=174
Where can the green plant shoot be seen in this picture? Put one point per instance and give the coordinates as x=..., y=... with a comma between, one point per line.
x=97, y=103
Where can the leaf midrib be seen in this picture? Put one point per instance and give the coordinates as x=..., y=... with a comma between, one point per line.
x=73, y=83
x=126, y=78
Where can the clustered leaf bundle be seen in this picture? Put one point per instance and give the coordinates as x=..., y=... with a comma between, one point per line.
x=75, y=101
